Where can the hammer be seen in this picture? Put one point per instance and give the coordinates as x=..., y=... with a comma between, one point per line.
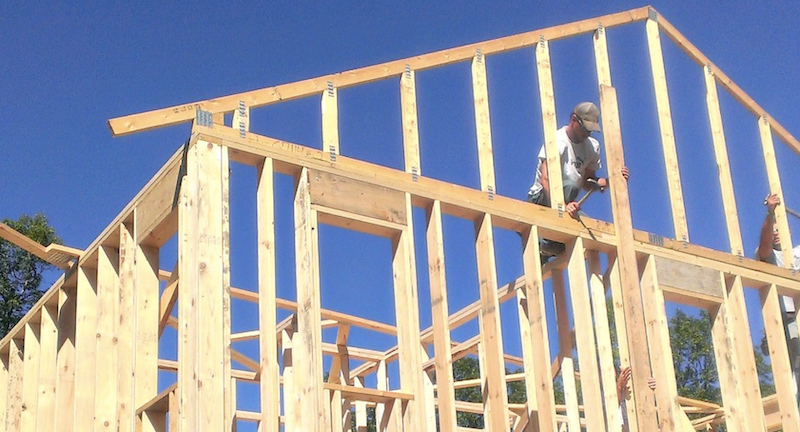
x=595, y=187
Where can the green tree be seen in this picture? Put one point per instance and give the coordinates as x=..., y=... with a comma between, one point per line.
x=20, y=271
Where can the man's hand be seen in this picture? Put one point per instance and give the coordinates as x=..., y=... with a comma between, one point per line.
x=622, y=384
x=602, y=183
x=771, y=202
x=572, y=209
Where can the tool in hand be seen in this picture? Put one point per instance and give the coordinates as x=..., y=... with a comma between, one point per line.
x=788, y=210
x=595, y=187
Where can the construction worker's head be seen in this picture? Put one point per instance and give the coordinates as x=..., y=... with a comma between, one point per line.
x=584, y=120
x=776, y=239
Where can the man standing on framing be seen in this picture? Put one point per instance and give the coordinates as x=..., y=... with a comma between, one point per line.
x=769, y=250
x=580, y=160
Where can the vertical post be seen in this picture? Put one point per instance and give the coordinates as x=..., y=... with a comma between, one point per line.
x=495, y=395
x=408, y=102
x=612, y=279
x=779, y=357
x=65, y=382
x=774, y=178
x=535, y=339
x=667, y=134
x=439, y=316
x=549, y=124
x=721, y=155
x=408, y=334
x=107, y=331
x=727, y=366
x=361, y=409
x=330, y=121
x=604, y=347
x=289, y=398
x=127, y=331
x=15, y=383
x=85, y=348
x=47, y=368
x=670, y=412
x=483, y=127
x=626, y=254
x=4, y=380
x=30, y=391
x=146, y=349
x=206, y=402
x=584, y=335
x=307, y=342
x=267, y=308
x=565, y=344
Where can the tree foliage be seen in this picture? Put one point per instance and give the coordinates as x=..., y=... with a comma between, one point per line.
x=20, y=271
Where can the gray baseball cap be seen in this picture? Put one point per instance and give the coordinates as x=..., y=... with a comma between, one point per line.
x=589, y=115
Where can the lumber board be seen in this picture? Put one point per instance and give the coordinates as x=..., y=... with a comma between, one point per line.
x=187, y=308
x=167, y=300
x=668, y=146
x=604, y=346
x=508, y=213
x=354, y=196
x=146, y=339
x=306, y=347
x=748, y=374
x=774, y=178
x=289, y=397
x=658, y=343
x=439, y=317
x=127, y=329
x=30, y=377
x=408, y=105
x=256, y=98
x=612, y=280
x=723, y=164
x=689, y=277
x=722, y=332
x=267, y=309
x=65, y=358
x=4, y=378
x=601, y=56
x=106, y=390
x=341, y=358
x=584, y=336
x=48, y=332
x=406, y=303
x=330, y=120
x=779, y=358
x=22, y=241
x=565, y=345
x=494, y=386
x=326, y=313
x=85, y=348
x=16, y=372
x=534, y=335
x=549, y=125
x=213, y=286
x=743, y=98
x=626, y=256
x=156, y=218
x=483, y=127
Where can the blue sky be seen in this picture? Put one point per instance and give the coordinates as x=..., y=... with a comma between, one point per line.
x=66, y=69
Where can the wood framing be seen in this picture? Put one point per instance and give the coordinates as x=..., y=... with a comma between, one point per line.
x=94, y=352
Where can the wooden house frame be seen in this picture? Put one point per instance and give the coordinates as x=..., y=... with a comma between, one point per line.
x=86, y=356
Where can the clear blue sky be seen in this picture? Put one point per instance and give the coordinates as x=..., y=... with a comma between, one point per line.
x=66, y=69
